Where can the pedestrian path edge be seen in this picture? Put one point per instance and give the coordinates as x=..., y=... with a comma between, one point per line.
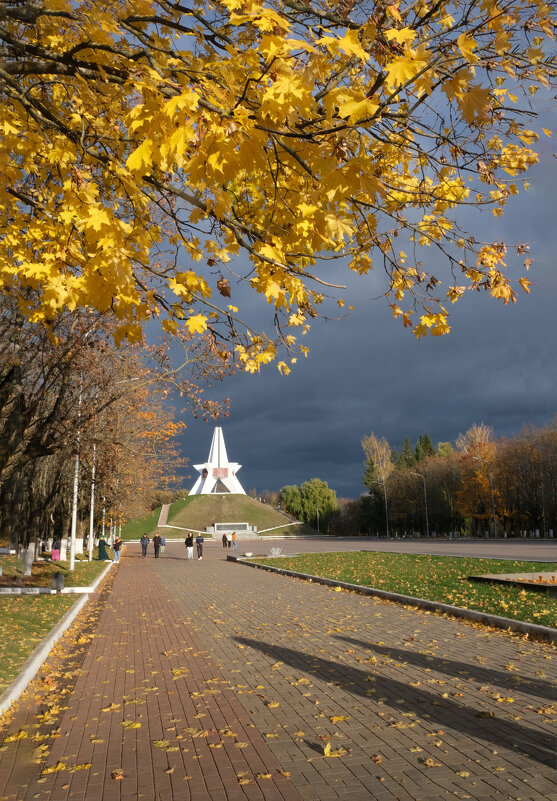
x=533, y=630
x=33, y=662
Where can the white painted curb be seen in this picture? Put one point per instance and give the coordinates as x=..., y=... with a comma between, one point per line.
x=32, y=664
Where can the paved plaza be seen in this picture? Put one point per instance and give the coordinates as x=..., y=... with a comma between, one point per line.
x=208, y=680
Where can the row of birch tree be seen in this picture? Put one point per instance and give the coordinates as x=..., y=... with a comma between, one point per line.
x=75, y=411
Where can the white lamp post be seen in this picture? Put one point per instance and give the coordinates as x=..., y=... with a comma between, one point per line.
x=425, y=501
x=479, y=459
x=386, y=507
x=92, y=512
x=76, y=482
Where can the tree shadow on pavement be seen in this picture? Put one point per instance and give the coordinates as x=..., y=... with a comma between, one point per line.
x=450, y=714
x=461, y=670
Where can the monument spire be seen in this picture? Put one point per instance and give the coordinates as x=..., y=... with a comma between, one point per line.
x=217, y=474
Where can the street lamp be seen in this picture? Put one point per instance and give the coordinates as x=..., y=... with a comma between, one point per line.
x=425, y=501
x=76, y=475
x=479, y=459
x=76, y=479
x=386, y=507
x=92, y=510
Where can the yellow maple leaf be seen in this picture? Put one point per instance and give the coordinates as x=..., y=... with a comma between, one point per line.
x=110, y=707
x=197, y=323
x=357, y=109
x=54, y=768
x=349, y=44
x=12, y=738
x=98, y=218
x=475, y=103
x=400, y=35
x=466, y=45
x=403, y=68
x=329, y=752
x=142, y=157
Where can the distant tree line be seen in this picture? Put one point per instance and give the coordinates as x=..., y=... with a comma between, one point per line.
x=480, y=486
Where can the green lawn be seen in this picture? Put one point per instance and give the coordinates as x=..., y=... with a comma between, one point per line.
x=133, y=529
x=436, y=578
x=196, y=512
x=178, y=506
x=200, y=511
x=84, y=574
x=24, y=621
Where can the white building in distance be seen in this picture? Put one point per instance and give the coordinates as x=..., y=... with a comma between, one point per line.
x=217, y=474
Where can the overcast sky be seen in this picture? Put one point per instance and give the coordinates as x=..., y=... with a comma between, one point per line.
x=366, y=373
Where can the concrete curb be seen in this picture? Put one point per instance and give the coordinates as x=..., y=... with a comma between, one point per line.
x=532, y=629
x=33, y=662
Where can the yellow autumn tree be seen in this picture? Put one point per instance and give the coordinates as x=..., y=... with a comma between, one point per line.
x=146, y=143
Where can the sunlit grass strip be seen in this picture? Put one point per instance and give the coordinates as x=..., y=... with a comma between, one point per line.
x=24, y=621
x=134, y=529
x=434, y=578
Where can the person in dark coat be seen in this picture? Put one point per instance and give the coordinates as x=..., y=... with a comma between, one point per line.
x=189, y=546
x=157, y=541
x=224, y=541
x=103, y=553
x=199, y=543
x=144, y=543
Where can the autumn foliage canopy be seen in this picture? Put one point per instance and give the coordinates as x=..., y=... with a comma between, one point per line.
x=146, y=144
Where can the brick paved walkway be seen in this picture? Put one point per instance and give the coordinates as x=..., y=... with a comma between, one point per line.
x=240, y=680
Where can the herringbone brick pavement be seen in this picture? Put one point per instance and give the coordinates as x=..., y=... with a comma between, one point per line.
x=209, y=680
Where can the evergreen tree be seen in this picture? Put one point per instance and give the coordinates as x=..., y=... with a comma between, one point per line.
x=370, y=476
x=424, y=448
x=408, y=456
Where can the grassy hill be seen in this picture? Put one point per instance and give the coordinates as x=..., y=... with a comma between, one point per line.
x=199, y=511
x=133, y=529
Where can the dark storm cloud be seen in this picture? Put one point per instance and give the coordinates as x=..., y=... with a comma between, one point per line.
x=366, y=373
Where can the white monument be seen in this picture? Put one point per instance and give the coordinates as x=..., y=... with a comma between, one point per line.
x=217, y=474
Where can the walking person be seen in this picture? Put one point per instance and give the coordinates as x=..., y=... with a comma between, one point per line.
x=229, y=539
x=103, y=553
x=163, y=543
x=117, y=547
x=224, y=541
x=234, y=541
x=157, y=544
x=144, y=543
x=189, y=546
x=199, y=543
